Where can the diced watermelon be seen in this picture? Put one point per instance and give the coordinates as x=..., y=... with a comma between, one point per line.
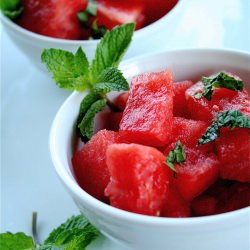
x=196, y=173
x=235, y=197
x=180, y=104
x=156, y=9
x=121, y=100
x=175, y=206
x=188, y=131
x=204, y=205
x=240, y=102
x=52, y=18
x=114, y=119
x=233, y=148
x=138, y=181
x=222, y=99
x=148, y=116
x=199, y=108
x=111, y=13
x=223, y=196
x=89, y=163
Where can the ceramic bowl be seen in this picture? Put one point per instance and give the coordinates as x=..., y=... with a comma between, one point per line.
x=229, y=231
x=32, y=44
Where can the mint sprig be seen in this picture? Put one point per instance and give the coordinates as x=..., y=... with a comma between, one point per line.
x=74, y=72
x=11, y=8
x=228, y=119
x=76, y=233
x=220, y=80
x=176, y=156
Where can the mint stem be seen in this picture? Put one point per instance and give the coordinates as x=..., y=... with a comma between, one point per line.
x=34, y=230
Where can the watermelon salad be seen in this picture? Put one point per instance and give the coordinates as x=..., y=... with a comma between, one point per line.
x=171, y=149
x=83, y=19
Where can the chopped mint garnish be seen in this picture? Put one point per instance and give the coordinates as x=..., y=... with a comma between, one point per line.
x=229, y=119
x=74, y=72
x=220, y=80
x=75, y=234
x=11, y=8
x=177, y=155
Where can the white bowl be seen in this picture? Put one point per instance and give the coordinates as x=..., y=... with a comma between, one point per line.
x=229, y=231
x=32, y=44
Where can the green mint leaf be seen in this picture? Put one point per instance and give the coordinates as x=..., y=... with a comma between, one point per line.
x=86, y=126
x=220, y=80
x=9, y=4
x=229, y=119
x=177, y=155
x=111, y=49
x=70, y=71
x=13, y=14
x=75, y=233
x=86, y=103
x=18, y=241
x=111, y=79
x=11, y=8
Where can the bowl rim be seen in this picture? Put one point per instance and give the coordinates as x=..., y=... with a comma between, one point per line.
x=137, y=34
x=123, y=215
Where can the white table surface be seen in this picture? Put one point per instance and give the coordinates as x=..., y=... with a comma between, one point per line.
x=30, y=100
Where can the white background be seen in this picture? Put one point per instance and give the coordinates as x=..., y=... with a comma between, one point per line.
x=30, y=100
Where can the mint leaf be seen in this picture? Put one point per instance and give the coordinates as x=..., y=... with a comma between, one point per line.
x=18, y=241
x=177, y=155
x=229, y=119
x=76, y=233
x=220, y=80
x=13, y=14
x=86, y=103
x=111, y=79
x=11, y=8
x=70, y=71
x=111, y=49
x=86, y=126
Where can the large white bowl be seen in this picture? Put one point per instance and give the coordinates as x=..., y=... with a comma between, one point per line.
x=228, y=231
x=149, y=37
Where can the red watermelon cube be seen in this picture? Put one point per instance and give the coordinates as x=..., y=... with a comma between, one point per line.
x=148, y=116
x=204, y=205
x=233, y=148
x=111, y=13
x=199, y=108
x=139, y=182
x=234, y=197
x=121, y=100
x=175, y=206
x=180, y=104
x=89, y=163
x=195, y=174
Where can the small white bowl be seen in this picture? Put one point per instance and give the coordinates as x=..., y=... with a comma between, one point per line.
x=32, y=44
x=229, y=231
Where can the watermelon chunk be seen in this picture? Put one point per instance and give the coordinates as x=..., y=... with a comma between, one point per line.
x=196, y=174
x=235, y=197
x=199, y=108
x=111, y=13
x=121, y=100
x=233, y=148
x=204, y=205
x=222, y=99
x=89, y=164
x=148, y=116
x=175, y=206
x=139, y=181
x=180, y=104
